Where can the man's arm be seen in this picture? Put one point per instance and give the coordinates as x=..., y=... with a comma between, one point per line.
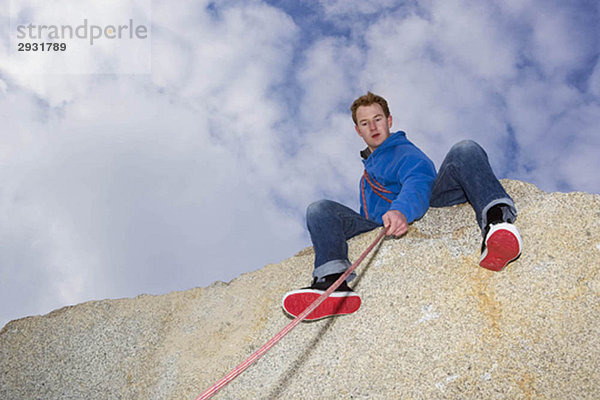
x=416, y=174
x=416, y=178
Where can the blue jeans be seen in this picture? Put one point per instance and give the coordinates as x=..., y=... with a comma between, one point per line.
x=465, y=175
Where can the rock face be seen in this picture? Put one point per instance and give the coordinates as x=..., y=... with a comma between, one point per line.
x=433, y=325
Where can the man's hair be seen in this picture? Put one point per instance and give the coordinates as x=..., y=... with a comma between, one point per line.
x=367, y=100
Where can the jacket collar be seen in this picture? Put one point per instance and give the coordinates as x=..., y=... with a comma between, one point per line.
x=388, y=142
x=365, y=153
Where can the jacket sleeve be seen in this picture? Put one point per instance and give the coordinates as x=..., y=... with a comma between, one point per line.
x=416, y=173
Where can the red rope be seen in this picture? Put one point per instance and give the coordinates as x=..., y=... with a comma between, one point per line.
x=377, y=188
x=267, y=346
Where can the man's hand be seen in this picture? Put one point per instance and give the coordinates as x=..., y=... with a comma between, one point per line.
x=395, y=223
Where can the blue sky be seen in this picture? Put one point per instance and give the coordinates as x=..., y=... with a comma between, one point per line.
x=118, y=184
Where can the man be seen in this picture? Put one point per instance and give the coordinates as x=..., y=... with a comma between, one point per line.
x=398, y=185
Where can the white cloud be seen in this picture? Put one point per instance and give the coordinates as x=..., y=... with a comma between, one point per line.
x=594, y=81
x=134, y=186
x=341, y=7
x=326, y=77
x=473, y=38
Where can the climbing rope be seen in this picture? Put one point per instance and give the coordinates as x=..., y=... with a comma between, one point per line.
x=376, y=187
x=267, y=346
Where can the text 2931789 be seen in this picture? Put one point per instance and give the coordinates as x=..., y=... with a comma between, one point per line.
x=43, y=46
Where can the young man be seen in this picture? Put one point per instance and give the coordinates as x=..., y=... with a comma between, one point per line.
x=398, y=185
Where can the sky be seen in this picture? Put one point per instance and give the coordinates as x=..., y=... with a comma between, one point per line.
x=191, y=157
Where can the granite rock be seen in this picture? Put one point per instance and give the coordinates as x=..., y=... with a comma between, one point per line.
x=433, y=325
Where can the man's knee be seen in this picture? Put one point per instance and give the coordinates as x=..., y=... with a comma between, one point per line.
x=317, y=209
x=466, y=149
x=466, y=145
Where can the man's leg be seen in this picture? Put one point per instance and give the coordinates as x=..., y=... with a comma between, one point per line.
x=330, y=225
x=466, y=175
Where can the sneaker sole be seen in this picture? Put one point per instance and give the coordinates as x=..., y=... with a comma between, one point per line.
x=338, y=303
x=503, y=245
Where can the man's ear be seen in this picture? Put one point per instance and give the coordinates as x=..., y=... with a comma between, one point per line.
x=389, y=121
x=357, y=130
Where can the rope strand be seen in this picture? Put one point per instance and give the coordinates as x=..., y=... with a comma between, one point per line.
x=377, y=188
x=267, y=346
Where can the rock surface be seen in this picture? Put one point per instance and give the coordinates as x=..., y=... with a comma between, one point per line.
x=433, y=325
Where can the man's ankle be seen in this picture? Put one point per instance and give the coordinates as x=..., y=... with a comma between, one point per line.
x=495, y=215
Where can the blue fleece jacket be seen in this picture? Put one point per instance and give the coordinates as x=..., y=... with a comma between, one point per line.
x=403, y=169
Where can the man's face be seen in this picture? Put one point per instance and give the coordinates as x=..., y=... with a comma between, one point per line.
x=373, y=126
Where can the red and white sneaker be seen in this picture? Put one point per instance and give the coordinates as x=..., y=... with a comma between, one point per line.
x=502, y=244
x=343, y=301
